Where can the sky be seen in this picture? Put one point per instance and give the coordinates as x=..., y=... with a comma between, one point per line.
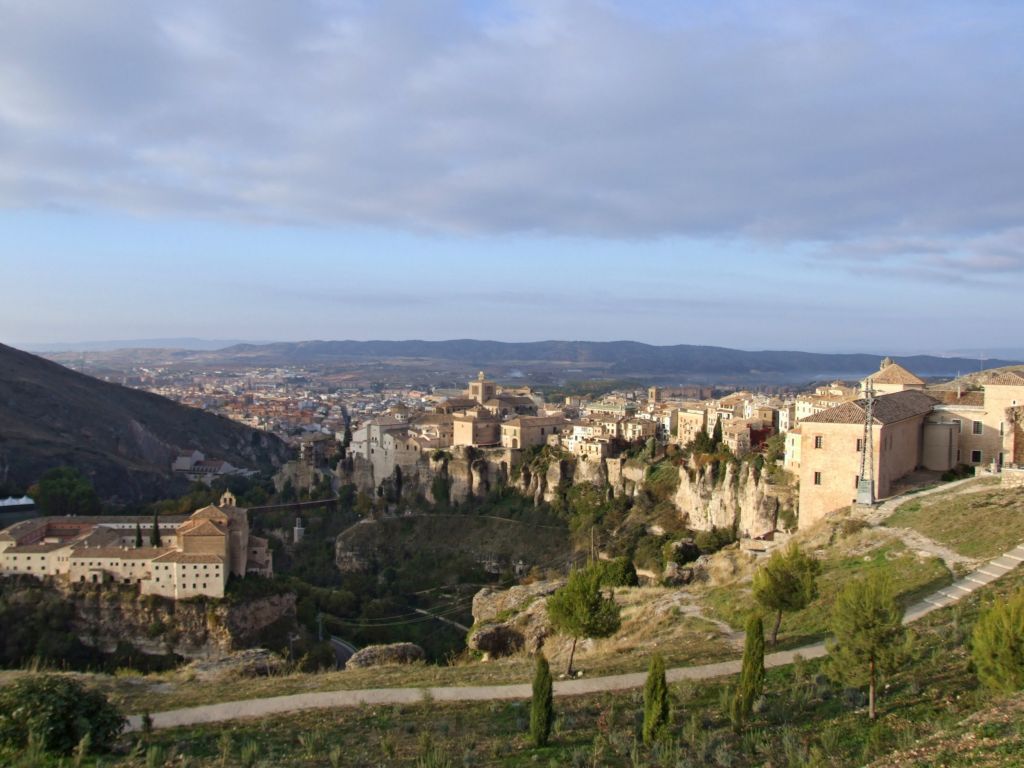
x=827, y=176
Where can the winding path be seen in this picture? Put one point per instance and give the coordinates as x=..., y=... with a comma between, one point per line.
x=234, y=710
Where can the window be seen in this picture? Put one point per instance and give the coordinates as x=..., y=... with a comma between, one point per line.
x=978, y=428
x=856, y=481
x=819, y=441
x=976, y=457
x=817, y=478
x=860, y=445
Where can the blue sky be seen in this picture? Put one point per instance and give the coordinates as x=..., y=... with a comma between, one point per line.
x=827, y=176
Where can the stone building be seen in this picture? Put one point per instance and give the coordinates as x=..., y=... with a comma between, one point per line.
x=196, y=554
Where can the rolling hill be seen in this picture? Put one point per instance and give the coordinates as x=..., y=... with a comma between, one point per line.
x=612, y=357
x=123, y=439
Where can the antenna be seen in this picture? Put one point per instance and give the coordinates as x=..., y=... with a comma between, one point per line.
x=866, y=484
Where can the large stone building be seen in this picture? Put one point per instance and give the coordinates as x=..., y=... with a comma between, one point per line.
x=911, y=429
x=195, y=556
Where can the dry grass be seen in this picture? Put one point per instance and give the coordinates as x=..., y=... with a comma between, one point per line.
x=981, y=524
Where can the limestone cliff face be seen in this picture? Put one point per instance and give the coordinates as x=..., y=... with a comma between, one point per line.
x=105, y=616
x=739, y=497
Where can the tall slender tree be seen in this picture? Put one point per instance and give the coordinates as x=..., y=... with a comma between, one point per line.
x=154, y=536
x=138, y=535
x=656, y=706
x=751, y=683
x=542, y=713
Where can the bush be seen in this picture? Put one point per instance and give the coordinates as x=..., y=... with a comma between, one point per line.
x=618, y=572
x=997, y=645
x=59, y=712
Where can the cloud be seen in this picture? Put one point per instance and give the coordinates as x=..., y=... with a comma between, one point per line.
x=987, y=257
x=781, y=121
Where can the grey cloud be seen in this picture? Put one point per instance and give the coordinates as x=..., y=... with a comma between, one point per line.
x=778, y=121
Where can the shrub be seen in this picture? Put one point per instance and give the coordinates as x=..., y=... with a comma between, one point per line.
x=997, y=645
x=751, y=684
x=618, y=572
x=59, y=711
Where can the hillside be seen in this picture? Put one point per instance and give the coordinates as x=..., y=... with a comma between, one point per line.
x=612, y=357
x=124, y=439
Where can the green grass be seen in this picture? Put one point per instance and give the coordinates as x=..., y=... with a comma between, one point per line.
x=912, y=576
x=933, y=705
x=982, y=525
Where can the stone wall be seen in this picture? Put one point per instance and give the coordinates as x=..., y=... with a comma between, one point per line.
x=1012, y=478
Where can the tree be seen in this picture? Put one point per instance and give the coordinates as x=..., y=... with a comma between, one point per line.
x=580, y=610
x=997, y=645
x=867, y=625
x=58, y=710
x=154, y=535
x=656, y=708
x=787, y=582
x=542, y=713
x=138, y=535
x=64, y=491
x=716, y=435
x=751, y=682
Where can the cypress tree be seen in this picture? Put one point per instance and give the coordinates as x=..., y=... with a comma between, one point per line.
x=716, y=434
x=751, y=682
x=138, y=535
x=154, y=536
x=656, y=708
x=542, y=713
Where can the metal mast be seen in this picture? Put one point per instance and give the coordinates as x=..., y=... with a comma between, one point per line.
x=866, y=483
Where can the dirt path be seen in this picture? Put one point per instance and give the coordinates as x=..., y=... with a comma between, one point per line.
x=233, y=710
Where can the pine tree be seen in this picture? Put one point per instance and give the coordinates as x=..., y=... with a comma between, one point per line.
x=542, y=713
x=997, y=645
x=138, y=535
x=868, y=628
x=579, y=609
x=154, y=536
x=751, y=683
x=656, y=708
x=787, y=582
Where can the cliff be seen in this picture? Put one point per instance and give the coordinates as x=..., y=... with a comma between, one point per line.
x=741, y=496
x=106, y=616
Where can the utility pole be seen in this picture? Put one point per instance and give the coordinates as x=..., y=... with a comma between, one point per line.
x=866, y=483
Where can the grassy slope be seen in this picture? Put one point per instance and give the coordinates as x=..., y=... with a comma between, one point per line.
x=931, y=713
x=983, y=524
x=854, y=555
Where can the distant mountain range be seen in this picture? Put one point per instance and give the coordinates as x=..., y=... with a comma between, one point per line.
x=185, y=342
x=124, y=439
x=620, y=358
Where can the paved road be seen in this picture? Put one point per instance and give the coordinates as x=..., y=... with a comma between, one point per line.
x=234, y=710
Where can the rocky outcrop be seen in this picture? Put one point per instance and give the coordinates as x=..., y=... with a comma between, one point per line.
x=386, y=655
x=511, y=620
x=739, y=497
x=106, y=616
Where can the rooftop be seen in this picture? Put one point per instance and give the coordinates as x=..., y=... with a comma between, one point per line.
x=887, y=409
